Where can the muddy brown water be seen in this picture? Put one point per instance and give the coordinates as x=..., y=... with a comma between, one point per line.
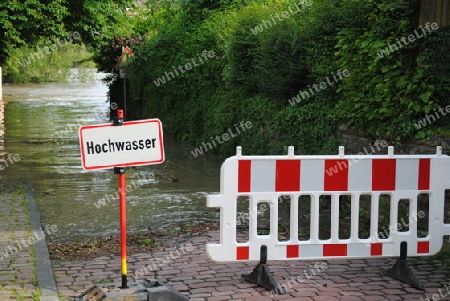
x=39, y=147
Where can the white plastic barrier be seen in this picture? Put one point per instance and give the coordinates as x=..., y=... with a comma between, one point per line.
x=267, y=178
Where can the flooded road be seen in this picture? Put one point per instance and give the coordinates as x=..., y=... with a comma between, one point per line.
x=39, y=147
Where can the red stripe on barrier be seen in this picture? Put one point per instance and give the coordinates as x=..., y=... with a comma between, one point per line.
x=292, y=251
x=336, y=175
x=423, y=247
x=242, y=253
x=424, y=174
x=376, y=249
x=335, y=250
x=383, y=174
x=244, y=175
x=287, y=175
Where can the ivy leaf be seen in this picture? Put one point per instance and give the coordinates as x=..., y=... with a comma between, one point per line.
x=425, y=97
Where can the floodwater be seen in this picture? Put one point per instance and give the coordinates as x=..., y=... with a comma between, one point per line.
x=39, y=147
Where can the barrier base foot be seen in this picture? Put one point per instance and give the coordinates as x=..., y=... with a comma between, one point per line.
x=262, y=276
x=402, y=272
x=141, y=290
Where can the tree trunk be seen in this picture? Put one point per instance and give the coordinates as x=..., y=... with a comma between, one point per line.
x=435, y=11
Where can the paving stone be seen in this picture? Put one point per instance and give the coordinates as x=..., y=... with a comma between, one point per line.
x=17, y=270
x=199, y=278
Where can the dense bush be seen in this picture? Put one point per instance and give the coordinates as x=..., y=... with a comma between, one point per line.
x=263, y=61
x=49, y=61
x=388, y=93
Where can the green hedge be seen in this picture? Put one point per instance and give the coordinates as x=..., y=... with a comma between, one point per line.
x=49, y=61
x=255, y=73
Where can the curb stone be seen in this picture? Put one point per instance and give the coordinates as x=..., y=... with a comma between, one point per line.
x=46, y=280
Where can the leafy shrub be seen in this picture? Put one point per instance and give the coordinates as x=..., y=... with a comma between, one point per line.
x=261, y=63
x=35, y=64
x=388, y=93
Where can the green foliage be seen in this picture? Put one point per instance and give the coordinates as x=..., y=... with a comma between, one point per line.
x=146, y=242
x=308, y=128
x=262, y=60
x=389, y=92
x=444, y=255
x=198, y=10
x=27, y=21
x=249, y=80
x=265, y=52
x=54, y=65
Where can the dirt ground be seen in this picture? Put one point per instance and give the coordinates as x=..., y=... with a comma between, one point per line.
x=136, y=243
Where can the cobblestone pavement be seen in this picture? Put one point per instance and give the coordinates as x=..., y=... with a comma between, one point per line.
x=18, y=280
x=187, y=268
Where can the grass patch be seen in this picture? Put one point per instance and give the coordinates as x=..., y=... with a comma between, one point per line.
x=37, y=294
x=106, y=280
x=146, y=242
x=444, y=254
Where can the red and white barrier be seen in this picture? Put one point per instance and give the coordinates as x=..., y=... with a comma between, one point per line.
x=267, y=178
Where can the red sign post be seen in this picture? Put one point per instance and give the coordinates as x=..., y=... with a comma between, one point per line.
x=116, y=146
x=122, y=210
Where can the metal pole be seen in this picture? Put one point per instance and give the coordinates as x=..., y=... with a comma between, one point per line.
x=118, y=121
x=124, y=95
x=123, y=228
